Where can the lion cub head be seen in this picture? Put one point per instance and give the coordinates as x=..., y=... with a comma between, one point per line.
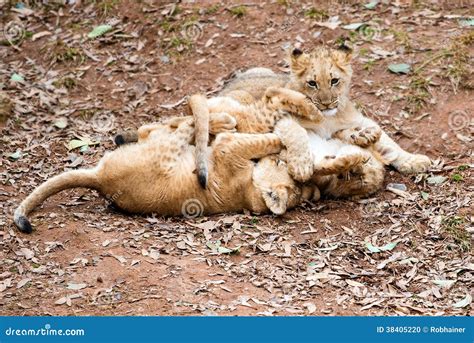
x=277, y=188
x=324, y=76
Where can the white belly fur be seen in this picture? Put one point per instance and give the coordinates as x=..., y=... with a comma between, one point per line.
x=321, y=147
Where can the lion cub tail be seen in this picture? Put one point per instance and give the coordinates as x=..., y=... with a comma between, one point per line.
x=200, y=111
x=86, y=178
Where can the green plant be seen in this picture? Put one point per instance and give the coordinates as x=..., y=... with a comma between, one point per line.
x=401, y=38
x=419, y=93
x=314, y=13
x=454, y=227
x=363, y=52
x=238, y=11
x=106, y=6
x=177, y=41
x=369, y=65
x=66, y=82
x=213, y=9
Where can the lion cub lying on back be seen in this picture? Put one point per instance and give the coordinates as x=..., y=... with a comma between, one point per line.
x=156, y=175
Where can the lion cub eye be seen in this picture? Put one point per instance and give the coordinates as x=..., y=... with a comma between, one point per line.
x=312, y=84
x=334, y=82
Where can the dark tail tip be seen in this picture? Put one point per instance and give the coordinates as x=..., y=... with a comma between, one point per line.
x=119, y=139
x=202, y=178
x=23, y=224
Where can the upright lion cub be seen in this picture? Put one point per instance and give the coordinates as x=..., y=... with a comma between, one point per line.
x=324, y=75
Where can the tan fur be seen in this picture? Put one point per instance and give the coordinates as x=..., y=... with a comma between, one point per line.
x=348, y=174
x=279, y=110
x=155, y=175
x=345, y=125
x=323, y=65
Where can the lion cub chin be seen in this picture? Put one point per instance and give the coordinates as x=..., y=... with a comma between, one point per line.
x=329, y=113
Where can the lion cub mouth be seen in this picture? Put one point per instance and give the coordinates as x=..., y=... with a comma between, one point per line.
x=329, y=112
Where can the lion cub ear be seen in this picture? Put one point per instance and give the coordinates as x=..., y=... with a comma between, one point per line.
x=342, y=55
x=299, y=61
x=276, y=199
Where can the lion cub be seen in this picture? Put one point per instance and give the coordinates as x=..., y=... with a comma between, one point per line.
x=155, y=175
x=345, y=170
x=324, y=76
x=280, y=110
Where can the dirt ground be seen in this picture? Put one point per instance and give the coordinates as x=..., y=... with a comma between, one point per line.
x=85, y=258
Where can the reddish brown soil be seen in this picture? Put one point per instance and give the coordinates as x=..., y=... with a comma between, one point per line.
x=281, y=269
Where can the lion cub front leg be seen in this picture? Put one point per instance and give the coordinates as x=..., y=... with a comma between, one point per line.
x=298, y=152
x=293, y=136
x=293, y=102
x=391, y=152
x=404, y=161
x=331, y=165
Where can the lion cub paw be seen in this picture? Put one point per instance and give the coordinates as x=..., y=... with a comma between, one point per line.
x=412, y=164
x=348, y=162
x=310, y=111
x=300, y=166
x=366, y=137
x=339, y=164
x=221, y=122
